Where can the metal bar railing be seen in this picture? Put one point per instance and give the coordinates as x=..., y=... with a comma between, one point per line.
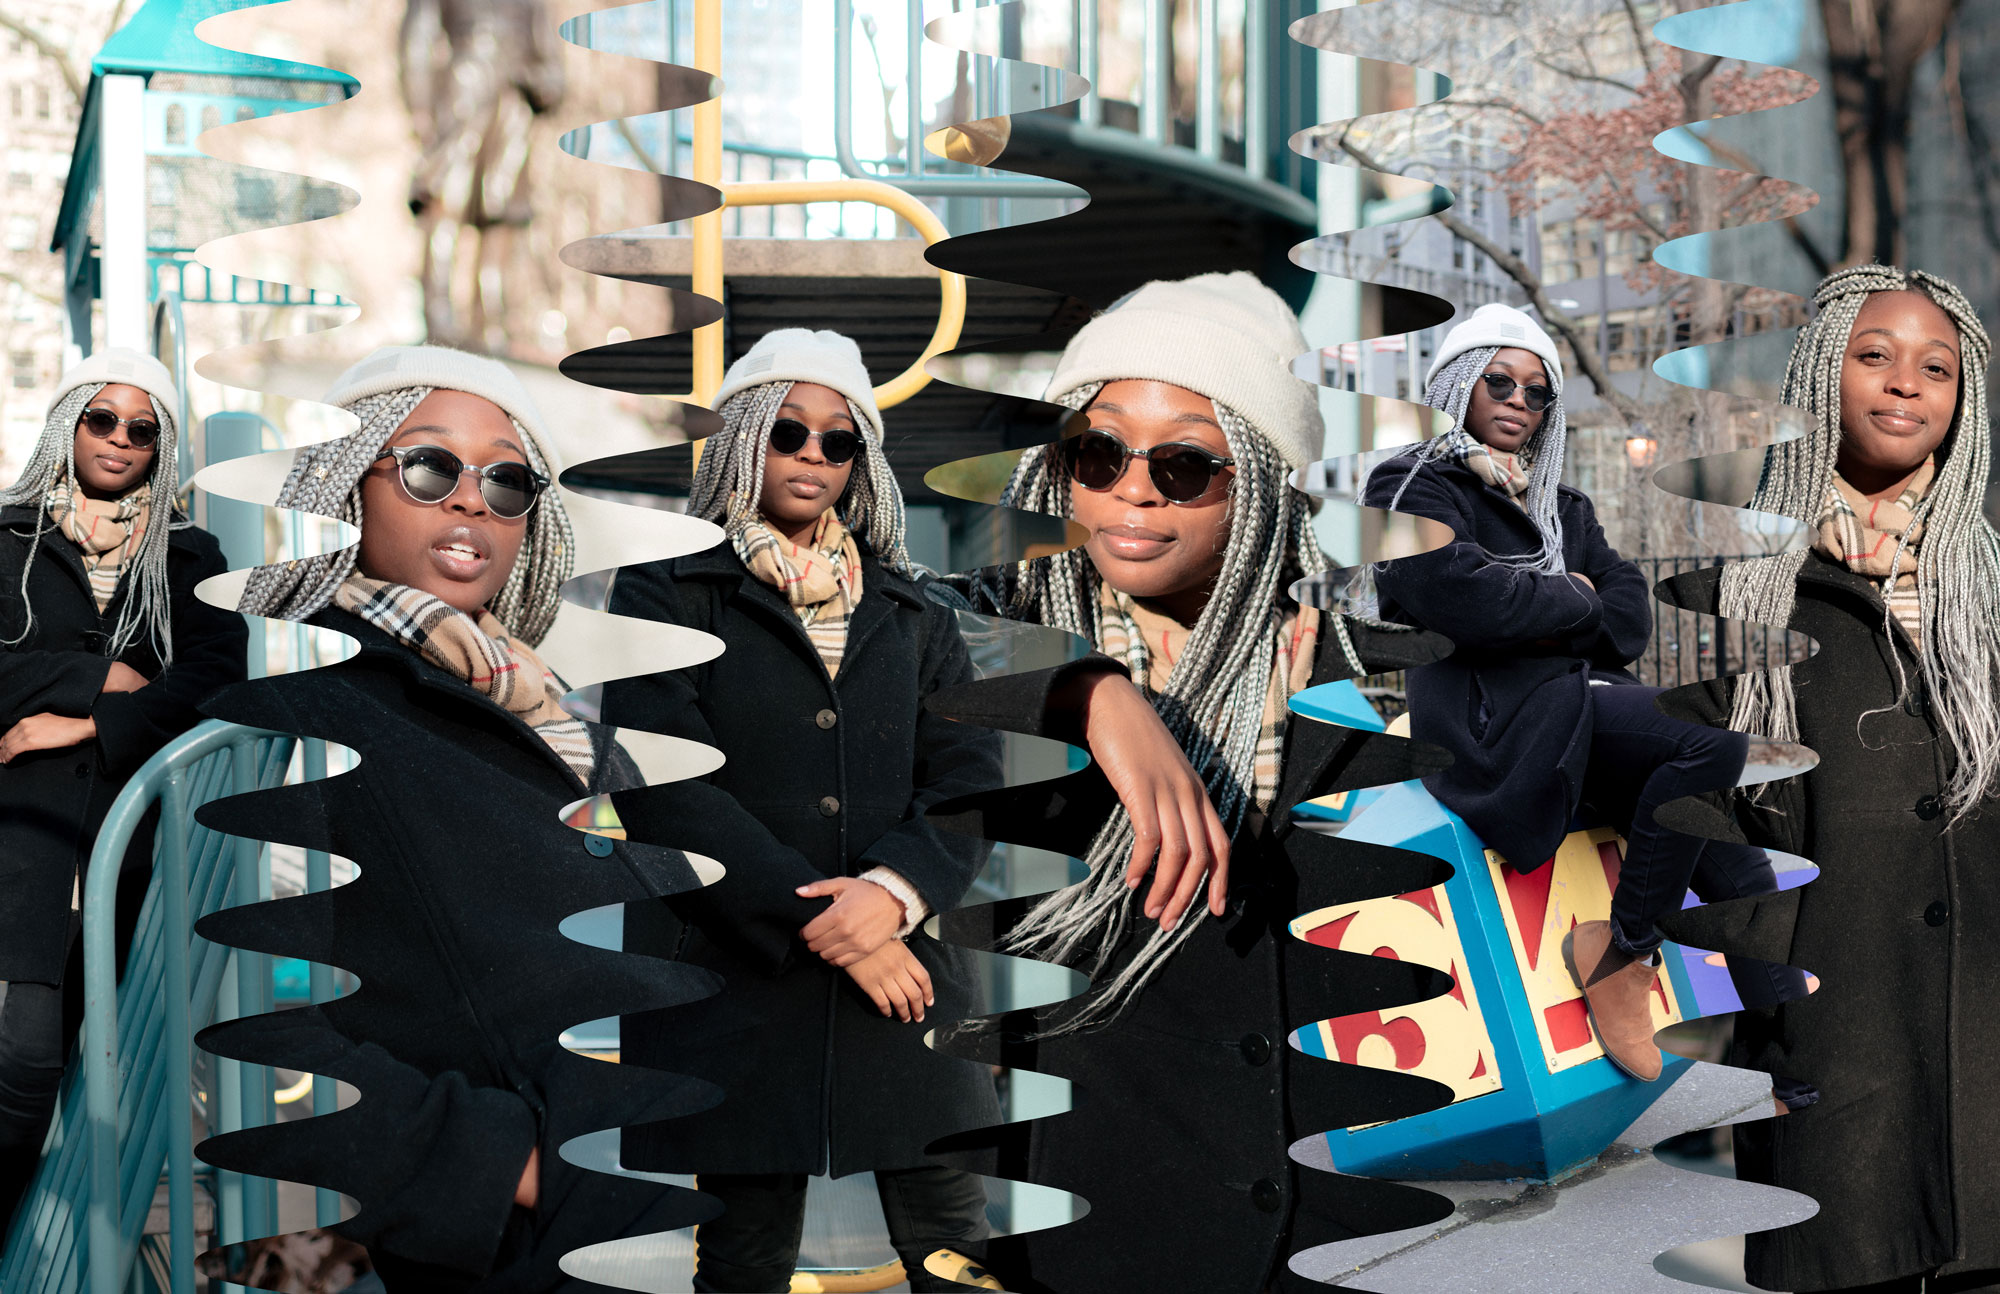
x=138, y=1044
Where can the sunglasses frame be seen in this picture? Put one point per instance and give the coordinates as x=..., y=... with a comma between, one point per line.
x=83, y=421
x=860, y=442
x=398, y=452
x=1068, y=449
x=1494, y=379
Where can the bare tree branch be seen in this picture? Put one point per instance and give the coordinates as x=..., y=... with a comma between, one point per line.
x=48, y=51
x=1570, y=329
x=1641, y=41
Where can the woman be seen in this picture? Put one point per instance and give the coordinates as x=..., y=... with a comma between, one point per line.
x=104, y=653
x=1535, y=705
x=467, y=760
x=1179, y=1050
x=1901, y=593
x=829, y=764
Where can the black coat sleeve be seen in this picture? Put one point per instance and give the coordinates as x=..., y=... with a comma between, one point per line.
x=1625, y=626
x=434, y=1161
x=210, y=652
x=49, y=682
x=951, y=759
x=1462, y=592
x=755, y=907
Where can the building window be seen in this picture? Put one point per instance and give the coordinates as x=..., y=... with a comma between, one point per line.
x=22, y=366
x=177, y=124
x=16, y=105
x=1457, y=252
x=21, y=168
x=20, y=231
x=256, y=198
x=211, y=117
x=245, y=112
x=161, y=185
x=42, y=103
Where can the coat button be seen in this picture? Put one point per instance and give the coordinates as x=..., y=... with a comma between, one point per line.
x=1929, y=807
x=826, y=718
x=601, y=846
x=1266, y=1195
x=83, y=770
x=1936, y=914
x=828, y=806
x=1256, y=1048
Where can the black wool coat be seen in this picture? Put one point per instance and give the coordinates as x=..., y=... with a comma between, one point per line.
x=1184, y=1106
x=452, y=924
x=822, y=777
x=1512, y=704
x=53, y=801
x=1902, y=926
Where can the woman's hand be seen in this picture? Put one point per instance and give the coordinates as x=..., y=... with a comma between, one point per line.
x=123, y=678
x=895, y=980
x=1587, y=582
x=1175, y=829
x=529, y=1189
x=45, y=732
x=862, y=918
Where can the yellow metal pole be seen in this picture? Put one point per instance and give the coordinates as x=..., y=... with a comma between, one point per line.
x=707, y=162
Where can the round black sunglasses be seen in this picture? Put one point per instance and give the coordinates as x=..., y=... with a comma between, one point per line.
x=142, y=433
x=836, y=446
x=430, y=473
x=1536, y=396
x=1181, y=472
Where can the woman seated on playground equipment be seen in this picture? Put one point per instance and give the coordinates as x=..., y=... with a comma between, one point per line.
x=1535, y=706
x=1188, y=1093
x=467, y=759
x=817, y=813
x=105, y=651
x=1900, y=591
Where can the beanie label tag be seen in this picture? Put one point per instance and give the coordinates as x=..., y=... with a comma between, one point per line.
x=370, y=367
x=755, y=363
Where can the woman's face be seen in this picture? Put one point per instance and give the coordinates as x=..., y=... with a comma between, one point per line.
x=1899, y=383
x=1142, y=544
x=456, y=549
x=799, y=487
x=1506, y=425
x=111, y=468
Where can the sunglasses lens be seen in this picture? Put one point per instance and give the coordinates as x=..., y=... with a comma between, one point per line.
x=430, y=475
x=839, y=446
x=142, y=434
x=1537, y=398
x=1094, y=459
x=509, y=489
x=99, y=422
x=787, y=436
x=1182, y=475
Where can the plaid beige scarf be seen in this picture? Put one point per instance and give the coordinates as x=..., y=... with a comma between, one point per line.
x=478, y=650
x=1507, y=473
x=1863, y=535
x=1147, y=640
x=821, y=579
x=105, y=531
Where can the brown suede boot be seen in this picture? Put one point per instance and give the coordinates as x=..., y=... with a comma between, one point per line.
x=1618, y=991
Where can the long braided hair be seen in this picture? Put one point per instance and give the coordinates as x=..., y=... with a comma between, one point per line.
x=729, y=481
x=1958, y=563
x=148, y=603
x=326, y=479
x=1450, y=391
x=1220, y=681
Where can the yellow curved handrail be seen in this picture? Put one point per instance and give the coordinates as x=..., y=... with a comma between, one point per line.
x=951, y=287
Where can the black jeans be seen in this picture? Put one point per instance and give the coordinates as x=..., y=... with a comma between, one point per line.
x=1985, y=1282
x=38, y=1024
x=1639, y=760
x=754, y=1246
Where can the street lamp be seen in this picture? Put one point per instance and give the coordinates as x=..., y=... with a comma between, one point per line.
x=1640, y=449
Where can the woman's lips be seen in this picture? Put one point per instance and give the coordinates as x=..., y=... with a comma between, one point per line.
x=1897, y=422
x=805, y=487
x=460, y=557
x=1133, y=543
x=112, y=463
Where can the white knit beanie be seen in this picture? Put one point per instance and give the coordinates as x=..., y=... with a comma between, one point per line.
x=1503, y=326
x=395, y=368
x=828, y=359
x=128, y=367
x=1225, y=336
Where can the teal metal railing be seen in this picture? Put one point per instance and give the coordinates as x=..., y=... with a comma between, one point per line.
x=128, y=1108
